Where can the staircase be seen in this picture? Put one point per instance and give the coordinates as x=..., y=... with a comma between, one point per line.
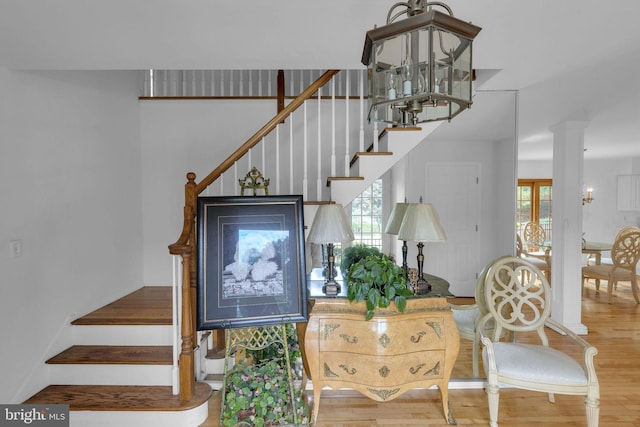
x=119, y=372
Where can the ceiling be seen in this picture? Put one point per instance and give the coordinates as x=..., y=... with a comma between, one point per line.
x=567, y=60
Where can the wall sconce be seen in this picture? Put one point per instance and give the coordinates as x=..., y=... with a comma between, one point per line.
x=421, y=224
x=589, y=197
x=420, y=67
x=330, y=225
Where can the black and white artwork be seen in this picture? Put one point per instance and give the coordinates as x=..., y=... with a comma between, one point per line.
x=250, y=261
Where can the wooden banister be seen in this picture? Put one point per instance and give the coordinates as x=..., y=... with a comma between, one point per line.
x=185, y=246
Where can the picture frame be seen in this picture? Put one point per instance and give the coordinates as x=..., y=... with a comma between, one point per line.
x=251, y=261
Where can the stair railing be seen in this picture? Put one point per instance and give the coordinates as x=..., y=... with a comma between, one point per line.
x=185, y=245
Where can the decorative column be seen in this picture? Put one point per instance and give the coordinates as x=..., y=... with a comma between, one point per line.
x=566, y=262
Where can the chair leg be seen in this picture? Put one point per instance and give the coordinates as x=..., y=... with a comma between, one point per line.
x=610, y=285
x=474, y=356
x=593, y=411
x=493, y=395
x=634, y=288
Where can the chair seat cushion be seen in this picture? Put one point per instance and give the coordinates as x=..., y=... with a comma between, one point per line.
x=604, y=271
x=466, y=319
x=536, y=363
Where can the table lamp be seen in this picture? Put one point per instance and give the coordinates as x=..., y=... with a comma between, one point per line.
x=330, y=225
x=421, y=224
x=393, y=227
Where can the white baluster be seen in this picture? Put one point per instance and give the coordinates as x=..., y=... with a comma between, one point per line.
x=333, y=126
x=235, y=178
x=305, y=192
x=264, y=164
x=361, y=88
x=278, y=159
x=375, y=137
x=291, y=153
x=346, y=139
x=231, y=76
x=319, y=180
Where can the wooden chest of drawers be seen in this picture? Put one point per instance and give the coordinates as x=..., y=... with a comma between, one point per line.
x=384, y=357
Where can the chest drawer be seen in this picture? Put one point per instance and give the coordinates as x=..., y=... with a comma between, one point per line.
x=379, y=371
x=382, y=336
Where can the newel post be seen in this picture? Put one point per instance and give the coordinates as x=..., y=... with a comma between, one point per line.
x=185, y=247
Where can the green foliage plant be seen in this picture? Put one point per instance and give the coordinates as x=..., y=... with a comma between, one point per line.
x=354, y=253
x=261, y=392
x=377, y=280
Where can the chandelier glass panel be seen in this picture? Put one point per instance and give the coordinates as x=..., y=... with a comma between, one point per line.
x=420, y=68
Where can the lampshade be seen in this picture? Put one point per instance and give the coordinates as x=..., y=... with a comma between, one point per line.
x=420, y=67
x=330, y=225
x=395, y=219
x=421, y=224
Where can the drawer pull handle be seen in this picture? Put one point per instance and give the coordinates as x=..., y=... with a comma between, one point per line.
x=420, y=335
x=348, y=339
x=350, y=371
x=416, y=369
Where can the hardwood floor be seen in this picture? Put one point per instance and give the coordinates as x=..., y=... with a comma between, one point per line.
x=613, y=328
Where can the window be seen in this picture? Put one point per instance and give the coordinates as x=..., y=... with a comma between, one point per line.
x=533, y=203
x=366, y=216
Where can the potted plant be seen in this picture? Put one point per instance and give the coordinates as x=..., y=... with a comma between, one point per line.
x=377, y=280
x=258, y=395
x=355, y=253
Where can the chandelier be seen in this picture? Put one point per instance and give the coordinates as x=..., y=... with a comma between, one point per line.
x=419, y=67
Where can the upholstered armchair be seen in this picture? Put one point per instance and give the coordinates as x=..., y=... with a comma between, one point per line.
x=518, y=298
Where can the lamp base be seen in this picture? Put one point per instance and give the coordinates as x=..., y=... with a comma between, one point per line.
x=422, y=287
x=331, y=288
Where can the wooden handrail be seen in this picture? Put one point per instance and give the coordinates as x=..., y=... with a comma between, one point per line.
x=185, y=246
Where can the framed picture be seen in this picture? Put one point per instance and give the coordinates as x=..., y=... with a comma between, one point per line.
x=251, y=263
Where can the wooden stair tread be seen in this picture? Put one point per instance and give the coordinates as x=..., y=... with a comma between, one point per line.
x=359, y=154
x=343, y=178
x=115, y=355
x=119, y=398
x=150, y=305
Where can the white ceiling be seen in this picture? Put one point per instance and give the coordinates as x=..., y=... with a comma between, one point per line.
x=568, y=60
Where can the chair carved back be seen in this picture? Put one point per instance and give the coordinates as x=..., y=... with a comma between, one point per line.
x=626, y=249
x=517, y=295
x=533, y=235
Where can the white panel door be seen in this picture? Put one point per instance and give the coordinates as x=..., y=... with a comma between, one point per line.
x=454, y=191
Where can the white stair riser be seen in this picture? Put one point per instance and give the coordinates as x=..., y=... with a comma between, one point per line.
x=121, y=335
x=191, y=418
x=98, y=374
x=216, y=366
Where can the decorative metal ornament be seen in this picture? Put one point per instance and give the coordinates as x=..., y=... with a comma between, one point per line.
x=420, y=68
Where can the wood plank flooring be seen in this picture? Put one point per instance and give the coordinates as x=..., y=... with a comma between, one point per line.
x=613, y=328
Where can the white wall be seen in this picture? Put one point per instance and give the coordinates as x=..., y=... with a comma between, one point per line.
x=70, y=190
x=497, y=171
